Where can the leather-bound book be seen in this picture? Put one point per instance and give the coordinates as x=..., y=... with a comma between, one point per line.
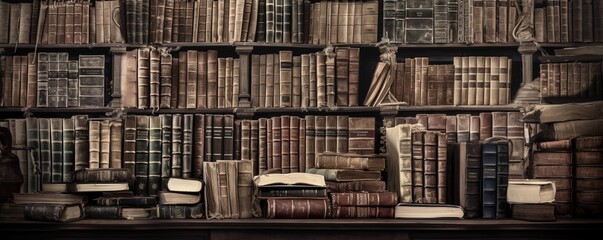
x=432, y=87
x=472, y=81
x=485, y=125
x=254, y=142
x=354, y=76
x=302, y=145
x=166, y=148
x=81, y=143
x=222, y=66
x=92, y=80
x=451, y=126
x=330, y=79
x=45, y=150
x=442, y=172
x=165, y=81
x=246, y=139
x=321, y=80
x=331, y=134
x=502, y=179
x=228, y=140
x=142, y=154
x=463, y=122
x=244, y=187
x=104, y=141
x=418, y=168
x=294, y=141
x=134, y=201
x=103, y=175
x=212, y=79
x=350, y=161
x=474, y=128
x=143, y=78
x=73, y=86
x=296, y=208
x=310, y=141
x=362, y=212
x=555, y=166
x=54, y=212
x=33, y=141
x=499, y=124
x=502, y=19
x=489, y=181
x=458, y=83
x=276, y=143
x=69, y=149
x=418, y=13
x=176, y=145
x=343, y=175
x=366, y=199
x=286, y=74
x=296, y=82
x=195, y=211
x=361, y=135
x=494, y=80
x=262, y=148
x=285, y=144
x=430, y=167
x=154, y=182
x=342, y=63
x=480, y=78
x=198, y=146
x=255, y=80
x=217, y=137
x=356, y=186
x=588, y=174
x=536, y=212
x=490, y=18
x=56, y=149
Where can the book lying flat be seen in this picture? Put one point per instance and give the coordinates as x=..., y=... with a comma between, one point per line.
x=54, y=212
x=172, y=198
x=290, y=179
x=184, y=185
x=537, y=212
x=426, y=210
x=350, y=161
x=342, y=175
x=530, y=191
x=119, y=212
x=49, y=198
x=97, y=187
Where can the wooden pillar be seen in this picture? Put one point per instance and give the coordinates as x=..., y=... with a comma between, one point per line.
x=527, y=50
x=244, y=75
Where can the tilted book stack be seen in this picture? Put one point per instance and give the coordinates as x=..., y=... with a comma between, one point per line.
x=532, y=199
x=121, y=205
x=181, y=199
x=291, y=195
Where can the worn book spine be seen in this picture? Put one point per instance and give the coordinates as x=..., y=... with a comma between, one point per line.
x=52, y=213
x=361, y=135
x=472, y=191
x=294, y=142
x=342, y=63
x=502, y=180
x=489, y=181
x=166, y=148
x=32, y=78
x=297, y=208
x=68, y=149
x=440, y=18
x=356, y=186
x=244, y=188
x=137, y=201
x=92, y=80
x=331, y=134
x=556, y=166
x=364, y=199
x=310, y=141
x=102, y=212
x=430, y=167
x=463, y=127
x=362, y=212
x=474, y=128
x=33, y=141
x=104, y=144
x=187, y=145
x=285, y=144
x=419, y=22
x=176, y=145
x=417, y=166
x=142, y=155
x=56, y=149
x=181, y=211
x=154, y=156
x=198, y=138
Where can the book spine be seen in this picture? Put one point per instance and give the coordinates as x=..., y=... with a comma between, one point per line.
x=154, y=156
x=166, y=148
x=177, y=134
x=68, y=149
x=142, y=155
x=56, y=148
x=198, y=145
x=92, y=80
x=181, y=211
x=297, y=208
x=502, y=180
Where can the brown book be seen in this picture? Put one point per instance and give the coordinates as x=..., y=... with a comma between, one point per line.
x=362, y=212
x=361, y=135
x=143, y=78
x=276, y=144
x=244, y=187
x=442, y=166
x=286, y=74
x=310, y=141
x=165, y=80
x=302, y=145
x=356, y=186
x=294, y=142
x=485, y=125
x=212, y=79
x=321, y=81
x=451, y=129
x=343, y=175
x=296, y=208
x=536, y=212
x=221, y=90
x=198, y=145
x=364, y=199
x=320, y=124
x=103, y=175
x=350, y=161
x=353, y=76
x=255, y=80
x=285, y=144
x=296, y=82
x=463, y=127
x=430, y=167
x=474, y=128
x=331, y=134
x=588, y=143
x=330, y=78
x=342, y=63
x=417, y=166
x=53, y=212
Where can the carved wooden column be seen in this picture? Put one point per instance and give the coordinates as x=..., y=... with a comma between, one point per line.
x=244, y=75
x=527, y=50
x=388, y=114
x=117, y=53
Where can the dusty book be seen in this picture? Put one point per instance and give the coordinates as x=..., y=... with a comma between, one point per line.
x=54, y=212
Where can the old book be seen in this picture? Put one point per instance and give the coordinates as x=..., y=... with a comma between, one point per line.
x=350, y=161
x=104, y=136
x=92, y=80
x=346, y=174
x=466, y=185
x=521, y=191
x=49, y=198
x=361, y=132
x=198, y=146
x=103, y=175
x=187, y=145
x=370, y=10
x=361, y=212
x=78, y=187
x=11, y=211
x=536, y=212
x=428, y=211
x=419, y=22
x=364, y=199
x=399, y=162
x=129, y=201
x=417, y=166
x=176, y=145
x=184, y=185
x=102, y=212
x=353, y=76
x=195, y=211
x=463, y=127
x=285, y=192
x=244, y=188
x=296, y=208
x=331, y=134
x=54, y=212
x=356, y=186
x=489, y=182
x=56, y=149
x=175, y=198
x=142, y=154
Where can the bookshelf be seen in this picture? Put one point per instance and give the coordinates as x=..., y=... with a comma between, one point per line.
x=524, y=58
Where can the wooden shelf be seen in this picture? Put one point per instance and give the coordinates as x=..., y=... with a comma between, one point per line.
x=179, y=111
x=66, y=111
x=300, y=229
x=316, y=110
x=463, y=108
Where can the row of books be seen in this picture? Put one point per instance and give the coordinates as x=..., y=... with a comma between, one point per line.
x=474, y=80
x=578, y=79
x=472, y=128
x=327, y=78
x=192, y=79
x=53, y=80
x=575, y=166
x=452, y=21
x=568, y=21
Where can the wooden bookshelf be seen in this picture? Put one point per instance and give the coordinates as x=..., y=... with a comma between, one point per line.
x=304, y=229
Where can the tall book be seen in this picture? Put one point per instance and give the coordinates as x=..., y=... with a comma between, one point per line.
x=142, y=155
x=92, y=80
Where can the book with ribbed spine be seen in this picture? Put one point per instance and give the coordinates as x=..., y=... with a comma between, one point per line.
x=92, y=80
x=54, y=212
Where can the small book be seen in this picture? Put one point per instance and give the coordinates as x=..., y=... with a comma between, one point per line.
x=184, y=185
x=530, y=191
x=54, y=212
x=103, y=175
x=49, y=198
x=290, y=179
x=425, y=210
x=350, y=161
x=342, y=175
x=536, y=212
x=174, y=198
x=180, y=211
x=130, y=201
x=76, y=187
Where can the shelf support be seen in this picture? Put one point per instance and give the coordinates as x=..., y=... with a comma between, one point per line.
x=244, y=73
x=527, y=50
x=388, y=114
x=116, y=54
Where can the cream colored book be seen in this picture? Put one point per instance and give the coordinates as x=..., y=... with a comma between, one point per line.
x=530, y=191
x=301, y=179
